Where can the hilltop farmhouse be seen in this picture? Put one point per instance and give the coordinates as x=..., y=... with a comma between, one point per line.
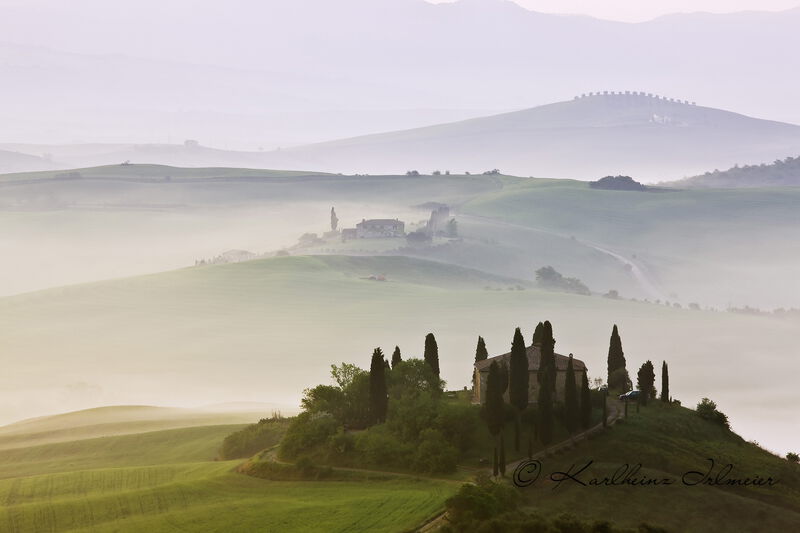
x=379, y=228
x=534, y=358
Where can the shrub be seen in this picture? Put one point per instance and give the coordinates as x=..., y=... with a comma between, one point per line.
x=792, y=457
x=458, y=423
x=708, y=409
x=434, y=454
x=379, y=447
x=306, y=432
x=253, y=438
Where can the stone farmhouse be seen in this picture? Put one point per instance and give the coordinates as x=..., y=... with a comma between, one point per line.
x=379, y=228
x=534, y=358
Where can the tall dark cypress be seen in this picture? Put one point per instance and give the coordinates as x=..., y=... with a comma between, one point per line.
x=431, y=354
x=538, y=334
x=494, y=408
x=545, y=411
x=616, y=362
x=377, y=387
x=664, y=382
x=586, y=402
x=519, y=381
x=480, y=351
x=396, y=357
x=547, y=361
x=571, y=414
x=503, y=378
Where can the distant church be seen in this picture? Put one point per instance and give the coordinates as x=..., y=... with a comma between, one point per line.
x=534, y=359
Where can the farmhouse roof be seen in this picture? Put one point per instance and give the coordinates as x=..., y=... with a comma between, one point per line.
x=380, y=221
x=534, y=359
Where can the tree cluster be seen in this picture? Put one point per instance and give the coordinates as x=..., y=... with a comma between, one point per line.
x=549, y=278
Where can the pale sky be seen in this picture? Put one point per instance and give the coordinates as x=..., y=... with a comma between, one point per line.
x=640, y=10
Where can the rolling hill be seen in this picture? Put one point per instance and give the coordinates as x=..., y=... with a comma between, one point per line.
x=11, y=161
x=780, y=173
x=636, y=134
x=264, y=330
x=167, y=480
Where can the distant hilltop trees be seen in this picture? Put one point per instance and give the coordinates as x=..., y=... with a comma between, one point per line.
x=617, y=183
x=639, y=94
x=781, y=173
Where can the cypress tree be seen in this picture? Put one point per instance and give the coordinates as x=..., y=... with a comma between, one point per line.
x=545, y=410
x=334, y=220
x=519, y=381
x=664, y=382
x=396, y=358
x=377, y=387
x=538, y=334
x=431, y=354
x=646, y=378
x=616, y=360
x=571, y=414
x=547, y=361
x=503, y=378
x=502, y=459
x=494, y=408
x=586, y=402
x=480, y=351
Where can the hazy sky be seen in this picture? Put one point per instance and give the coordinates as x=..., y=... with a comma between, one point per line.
x=639, y=10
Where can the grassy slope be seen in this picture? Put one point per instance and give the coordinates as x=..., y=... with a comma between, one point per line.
x=705, y=245
x=669, y=441
x=245, y=331
x=165, y=481
x=111, y=421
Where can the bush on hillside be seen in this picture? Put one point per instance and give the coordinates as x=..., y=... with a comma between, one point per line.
x=617, y=183
x=306, y=432
x=549, y=278
x=792, y=457
x=708, y=409
x=253, y=438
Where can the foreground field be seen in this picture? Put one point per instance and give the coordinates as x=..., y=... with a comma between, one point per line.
x=93, y=485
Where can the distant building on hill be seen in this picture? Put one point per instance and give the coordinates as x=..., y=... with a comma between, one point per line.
x=534, y=358
x=377, y=228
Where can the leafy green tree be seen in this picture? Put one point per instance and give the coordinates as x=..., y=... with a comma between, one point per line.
x=617, y=374
x=664, y=382
x=396, y=357
x=411, y=378
x=481, y=354
x=345, y=374
x=378, y=399
x=571, y=413
x=519, y=379
x=646, y=378
x=494, y=410
x=431, y=354
x=586, y=402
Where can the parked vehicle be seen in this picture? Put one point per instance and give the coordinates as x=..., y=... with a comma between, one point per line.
x=630, y=395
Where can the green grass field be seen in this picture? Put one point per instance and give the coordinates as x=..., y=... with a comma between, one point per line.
x=669, y=441
x=167, y=481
